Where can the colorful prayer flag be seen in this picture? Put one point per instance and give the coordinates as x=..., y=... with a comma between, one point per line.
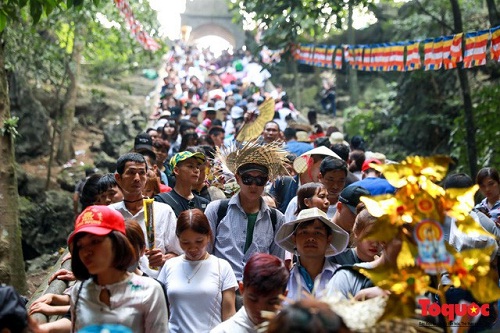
x=396, y=60
x=475, y=48
x=330, y=51
x=433, y=53
x=495, y=43
x=337, y=63
x=319, y=59
x=456, y=55
x=413, y=56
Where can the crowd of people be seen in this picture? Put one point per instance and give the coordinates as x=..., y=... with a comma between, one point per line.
x=195, y=232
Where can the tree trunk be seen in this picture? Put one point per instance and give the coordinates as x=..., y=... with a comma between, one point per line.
x=493, y=14
x=353, y=74
x=466, y=94
x=11, y=253
x=65, y=149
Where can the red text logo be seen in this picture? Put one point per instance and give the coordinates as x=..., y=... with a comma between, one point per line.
x=452, y=310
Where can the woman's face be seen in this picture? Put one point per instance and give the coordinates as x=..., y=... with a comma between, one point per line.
x=367, y=249
x=193, y=244
x=490, y=189
x=318, y=200
x=96, y=253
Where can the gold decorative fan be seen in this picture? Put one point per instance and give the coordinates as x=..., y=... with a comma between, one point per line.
x=252, y=129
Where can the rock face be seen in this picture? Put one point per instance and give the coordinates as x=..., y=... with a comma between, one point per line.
x=46, y=223
x=34, y=122
x=110, y=118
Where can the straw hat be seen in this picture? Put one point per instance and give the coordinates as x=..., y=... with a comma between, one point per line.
x=303, y=136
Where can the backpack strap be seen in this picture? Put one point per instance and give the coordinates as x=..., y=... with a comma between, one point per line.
x=221, y=211
x=366, y=282
x=274, y=218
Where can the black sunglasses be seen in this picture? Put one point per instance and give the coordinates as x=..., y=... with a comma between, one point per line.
x=249, y=180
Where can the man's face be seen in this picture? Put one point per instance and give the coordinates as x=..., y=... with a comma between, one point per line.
x=133, y=179
x=344, y=217
x=254, y=302
x=251, y=187
x=188, y=171
x=271, y=132
x=311, y=239
x=154, y=135
x=334, y=182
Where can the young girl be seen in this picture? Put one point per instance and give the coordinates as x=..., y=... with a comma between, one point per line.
x=489, y=185
x=364, y=250
x=200, y=287
x=107, y=292
x=312, y=195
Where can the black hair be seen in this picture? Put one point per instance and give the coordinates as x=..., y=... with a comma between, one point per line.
x=106, y=182
x=90, y=191
x=330, y=163
x=129, y=157
x=290, y=133
x=458, y=180
x=342, y=150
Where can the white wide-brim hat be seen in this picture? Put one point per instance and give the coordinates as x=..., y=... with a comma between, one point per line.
x=339, y=240
x=300, y=164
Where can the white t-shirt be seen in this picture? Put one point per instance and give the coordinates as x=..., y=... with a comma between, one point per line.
x=131, y=304
x=239, y=323
x=196, y=306
x=165, y=224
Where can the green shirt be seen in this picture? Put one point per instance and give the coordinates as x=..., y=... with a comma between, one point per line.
x=250, y=226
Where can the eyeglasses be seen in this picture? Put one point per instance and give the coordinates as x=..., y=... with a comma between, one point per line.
x=249, y=180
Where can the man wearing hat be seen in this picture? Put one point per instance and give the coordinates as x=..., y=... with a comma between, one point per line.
x=186, y=168
x=312, y=237
x=248, y=226
x=346, y=206
x=372, y=179
x=293, y=145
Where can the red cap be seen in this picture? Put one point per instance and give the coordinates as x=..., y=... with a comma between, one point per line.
x=366, y=163
x=98, y=220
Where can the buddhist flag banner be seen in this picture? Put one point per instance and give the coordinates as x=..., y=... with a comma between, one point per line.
x=358, y=57
x=441, y=52
x=337, y=62
x=413, y=61
x=475, y=48
x=304, y=53
x=396, y=60
x=367, y=59
x=330, y=51
x=448, y=62
x=376, y=56
x=433, y=53
x=385, y=57
x=495, y=44
x=319, y=57
x=135, y=27
x=348, y=54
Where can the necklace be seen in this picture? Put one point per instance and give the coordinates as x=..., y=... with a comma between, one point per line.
x=196, y=269
x=131, y=201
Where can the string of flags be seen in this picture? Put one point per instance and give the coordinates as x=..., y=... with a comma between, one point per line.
x=464, y=49
x=135, y=27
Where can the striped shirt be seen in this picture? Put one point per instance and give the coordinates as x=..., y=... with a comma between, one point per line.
x=230, y=234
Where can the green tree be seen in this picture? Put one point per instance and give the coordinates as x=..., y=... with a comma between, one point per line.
x=11, y=263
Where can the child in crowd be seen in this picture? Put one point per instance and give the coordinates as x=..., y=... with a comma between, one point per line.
x=312, y=236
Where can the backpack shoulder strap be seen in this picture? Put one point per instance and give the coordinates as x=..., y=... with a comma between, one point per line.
x=366, y=282
x=221, y=211
x=274, y=219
